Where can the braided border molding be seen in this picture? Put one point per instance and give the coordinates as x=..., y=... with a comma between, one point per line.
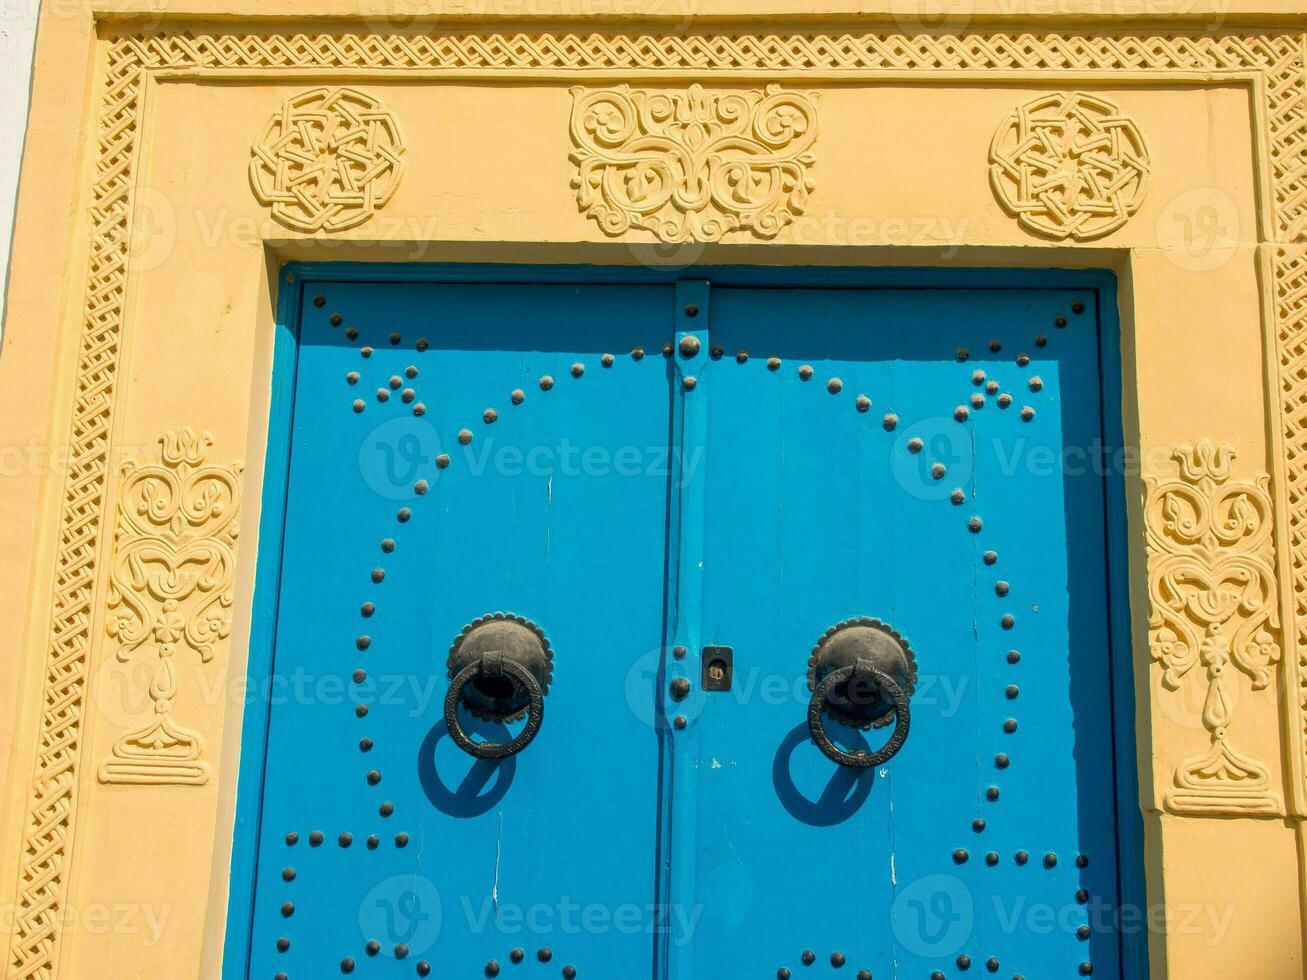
x=44, y=861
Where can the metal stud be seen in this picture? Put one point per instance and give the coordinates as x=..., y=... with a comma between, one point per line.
x=347, y=965
x=287, y=874
x=292, y=839
x=1002, y=761
x=578, y=369
x=403, y=514
x=492, y=969
x=977, y=401
x=442, y=461
x=978, y=825
x=890, y=422
x=1022, y=857
x=679, y=722
x=345, y=839
x=680, y=688
x=489, y=416
x=1082, y=896
x=991, y=964
x=915, y=445
x=606, y=360
x=365, y=745
x=667, y=349
x=546, y=382
x=1050, y=860
x=423, y=343
x=977, y=377
x=991, y=794
x=974, y=525
x=373, y=842
x=424, y=968
x=1004, y=400
x=1086, y=969
x=358, y=405
x=717, y=353
x=1001, y=587
x=374, y=777
x=517, y=955
x=1027, y=414
x=809, y=957
x=1083, y=933
x=862, y=403
x=518, y=396
x=960, y=413
x=544, y=954
x=678, y=652
x=957, y=496
x=401, y=840
x=837, y=959
x=1059, y=321
x=991, y=858
x=336, y=319
x=741, y=356
x=408, y=394
x=995, y=346
x=783, y=973
x=937, y=471
x=689, y=382
x=990, y=557
x=1036, y=383
x=367, y=609
x=569, y=972
x=1008, y=621
x=421, y=487
x=383, y=395
x=464, y=436
x=637, y=353
x=1082, y=861
x=352, y=377
x=419, y=409
x=386, y=809
x=401, y=951
x=689, y=345
x=365, y=351
x=373, y=947
x=864, y=975
x=963, y=354
x=287, y=909
x=315, y=838
x=834, y=386
x=1077, y=307
x=1010, y=725
x=1023, y=359
x=964, y=962
x=691, y=310
x=773, y=364
x=319, y=301
x=1041, y=341
x=361, y=710
x=1012, y=692
x=805, y=372
x=1013, y=656
x=960, y=856
x=360, y=676
x=991, y=387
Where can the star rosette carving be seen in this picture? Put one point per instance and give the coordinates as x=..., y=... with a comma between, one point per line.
x=1213, y=601
x=1069, y=165
x=327, y=160
x=170, y=591
x=693, y=165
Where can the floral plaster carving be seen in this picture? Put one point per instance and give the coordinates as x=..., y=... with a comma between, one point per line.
x=328, y=160
x=1214, y=613
x=171, y=591
x=693, y=165
x=1069, y=165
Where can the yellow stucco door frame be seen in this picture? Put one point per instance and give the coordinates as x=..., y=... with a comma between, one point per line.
x=158, y=207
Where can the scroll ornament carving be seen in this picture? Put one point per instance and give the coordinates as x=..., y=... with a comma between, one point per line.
x=1212, y=590
x=171, y=591
x=1069, y=165
x=693, y=165
x=328, y=160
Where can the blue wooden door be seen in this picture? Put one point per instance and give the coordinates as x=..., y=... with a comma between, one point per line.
x=566, y=571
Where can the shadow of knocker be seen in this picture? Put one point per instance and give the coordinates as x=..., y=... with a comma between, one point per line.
x=842, y=796
x=471, y=798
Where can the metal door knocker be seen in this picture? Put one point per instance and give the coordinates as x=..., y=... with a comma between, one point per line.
x=500, y=667
x=862, y=673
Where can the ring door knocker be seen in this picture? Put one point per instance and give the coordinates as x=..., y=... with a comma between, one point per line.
x=500, y=667
x=862, y=673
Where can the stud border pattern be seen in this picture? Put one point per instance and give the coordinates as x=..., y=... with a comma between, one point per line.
x=49, y=814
